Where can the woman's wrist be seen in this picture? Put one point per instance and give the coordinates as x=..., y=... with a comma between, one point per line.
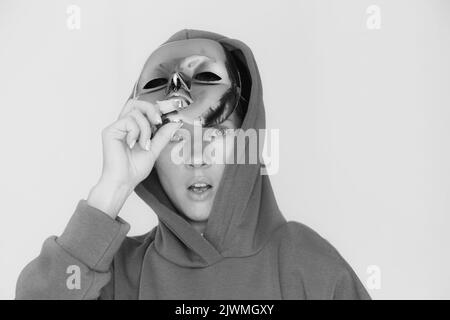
x=108, y=197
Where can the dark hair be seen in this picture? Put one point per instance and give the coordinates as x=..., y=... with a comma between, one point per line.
x=238, y=70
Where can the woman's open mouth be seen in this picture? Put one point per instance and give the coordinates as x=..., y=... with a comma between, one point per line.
x=199, y=189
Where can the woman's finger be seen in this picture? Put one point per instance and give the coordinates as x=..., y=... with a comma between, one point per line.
x=151, y=111
x=145, y=129
x=125, y=129
x=133, y=131
x=163, y=136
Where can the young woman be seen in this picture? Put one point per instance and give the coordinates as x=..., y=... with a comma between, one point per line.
x=220, y=233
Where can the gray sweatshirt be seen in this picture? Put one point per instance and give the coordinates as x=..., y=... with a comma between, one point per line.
x=248, y=251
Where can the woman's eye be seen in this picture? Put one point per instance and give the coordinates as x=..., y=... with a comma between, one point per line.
x=218, y=132
x=207, y=76
x=221, y=131
x=155, y=83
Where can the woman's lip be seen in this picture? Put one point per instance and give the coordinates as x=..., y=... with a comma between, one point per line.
x=199, y=185
x=202, y=196
x=205, y=195
x=201, y=179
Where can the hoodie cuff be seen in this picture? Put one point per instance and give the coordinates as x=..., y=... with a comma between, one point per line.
x=93, y=237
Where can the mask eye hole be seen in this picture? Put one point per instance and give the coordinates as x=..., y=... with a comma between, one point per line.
x=155, y=83
x=207, y=77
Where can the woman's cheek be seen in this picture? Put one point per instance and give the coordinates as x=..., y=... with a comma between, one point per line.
x=163, y=161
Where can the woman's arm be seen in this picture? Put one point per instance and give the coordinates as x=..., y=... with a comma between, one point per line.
x=77, y=264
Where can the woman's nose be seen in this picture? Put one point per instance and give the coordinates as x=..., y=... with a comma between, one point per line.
x=198, y=163
x=198, y=158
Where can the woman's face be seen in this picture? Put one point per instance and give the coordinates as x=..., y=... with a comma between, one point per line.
x=192, y=184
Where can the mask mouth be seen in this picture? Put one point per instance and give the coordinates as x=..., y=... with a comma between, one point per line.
x=181, y=95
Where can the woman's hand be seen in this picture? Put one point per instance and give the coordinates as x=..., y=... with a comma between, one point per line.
x=128, y=154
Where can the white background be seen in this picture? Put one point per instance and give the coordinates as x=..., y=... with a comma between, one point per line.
x=363, y=117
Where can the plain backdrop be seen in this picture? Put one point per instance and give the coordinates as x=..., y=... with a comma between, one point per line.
x=363, y=116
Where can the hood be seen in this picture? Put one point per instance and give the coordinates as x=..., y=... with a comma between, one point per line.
x=244, y=213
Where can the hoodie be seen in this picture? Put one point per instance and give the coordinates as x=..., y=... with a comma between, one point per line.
x=248, y=249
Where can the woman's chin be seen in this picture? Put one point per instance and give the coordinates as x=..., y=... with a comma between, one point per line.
x=198, y=217
x=198, y=212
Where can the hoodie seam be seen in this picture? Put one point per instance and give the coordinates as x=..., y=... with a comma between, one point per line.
x=188, y=245
x=228, y=257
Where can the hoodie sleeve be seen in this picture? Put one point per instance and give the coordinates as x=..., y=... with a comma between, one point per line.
x=76, y=265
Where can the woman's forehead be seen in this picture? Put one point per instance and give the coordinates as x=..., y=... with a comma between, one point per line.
x=174, y=51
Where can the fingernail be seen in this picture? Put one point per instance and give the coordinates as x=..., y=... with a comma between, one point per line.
x=132, y=144
x=173, y=134
x=147, y=145
x=179, y=125
x=179, y=122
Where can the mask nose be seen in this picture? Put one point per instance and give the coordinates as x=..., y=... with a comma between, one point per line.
x=177, y=82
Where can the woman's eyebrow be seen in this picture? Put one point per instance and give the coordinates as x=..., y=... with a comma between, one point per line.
x=226, y=124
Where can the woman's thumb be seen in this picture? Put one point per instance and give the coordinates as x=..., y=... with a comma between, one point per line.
x=163, y=136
